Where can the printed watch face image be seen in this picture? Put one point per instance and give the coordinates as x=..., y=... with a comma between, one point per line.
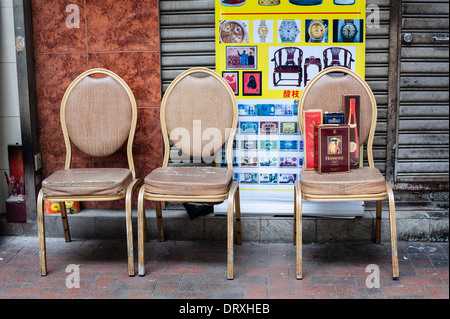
x=348, y=31
x=316, y=30
x=263, y=31
x=233, y=32
x=288, y=30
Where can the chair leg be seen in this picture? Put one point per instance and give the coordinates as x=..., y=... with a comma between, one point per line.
x=129, y=226
x=41, y=233
x=65, y=221
x=159, y=221
x=378, y=222
x=298, y=208
x=146, y=236
x=141, y=232
x=230, y=236
x=237, y=205
x=230, y=229
x=393, y=230
x=294, y=235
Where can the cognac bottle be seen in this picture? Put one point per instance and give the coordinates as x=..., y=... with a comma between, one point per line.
x=354, y=142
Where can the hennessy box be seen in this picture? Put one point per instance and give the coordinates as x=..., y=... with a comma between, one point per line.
x=311, y=118
x=332, y=148
x=352, y=117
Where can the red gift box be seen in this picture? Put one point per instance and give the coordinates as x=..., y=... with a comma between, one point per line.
x=310, y=118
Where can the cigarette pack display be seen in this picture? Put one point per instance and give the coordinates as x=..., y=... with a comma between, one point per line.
x=310, y=118
x=332, y=148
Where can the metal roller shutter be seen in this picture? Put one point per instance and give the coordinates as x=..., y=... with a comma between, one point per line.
x=423, y=110
x=187, y=36
x=377, y=65
x=187, y=30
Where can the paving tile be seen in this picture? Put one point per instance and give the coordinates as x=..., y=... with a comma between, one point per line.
x=197, y=270
x=255, y=291
x=164, y=289
x=437, y=292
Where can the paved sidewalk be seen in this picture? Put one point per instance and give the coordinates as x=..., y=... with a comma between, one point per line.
x=196, y=269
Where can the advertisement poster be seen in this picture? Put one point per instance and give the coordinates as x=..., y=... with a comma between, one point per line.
x=268, y=50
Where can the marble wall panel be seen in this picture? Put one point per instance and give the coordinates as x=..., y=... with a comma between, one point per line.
x=122, y=36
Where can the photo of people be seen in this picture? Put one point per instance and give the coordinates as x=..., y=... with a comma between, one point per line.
x=241, y=57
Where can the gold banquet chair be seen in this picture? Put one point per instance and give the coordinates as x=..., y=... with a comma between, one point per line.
x=198, y=105
x=98, y=115
x=325, y=91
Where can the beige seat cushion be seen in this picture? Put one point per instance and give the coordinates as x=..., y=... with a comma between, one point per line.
x=365, y=180
x=188, y=181
x=88, y=182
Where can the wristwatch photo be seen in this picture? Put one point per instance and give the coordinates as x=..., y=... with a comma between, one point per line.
x=349, y=30
x=233, y=32
x=263, y=31
x=288, y=31
x=317, y=31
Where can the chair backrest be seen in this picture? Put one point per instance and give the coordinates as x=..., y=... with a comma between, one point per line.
x=98, y=114
x=325, y=92
x=199, y=114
